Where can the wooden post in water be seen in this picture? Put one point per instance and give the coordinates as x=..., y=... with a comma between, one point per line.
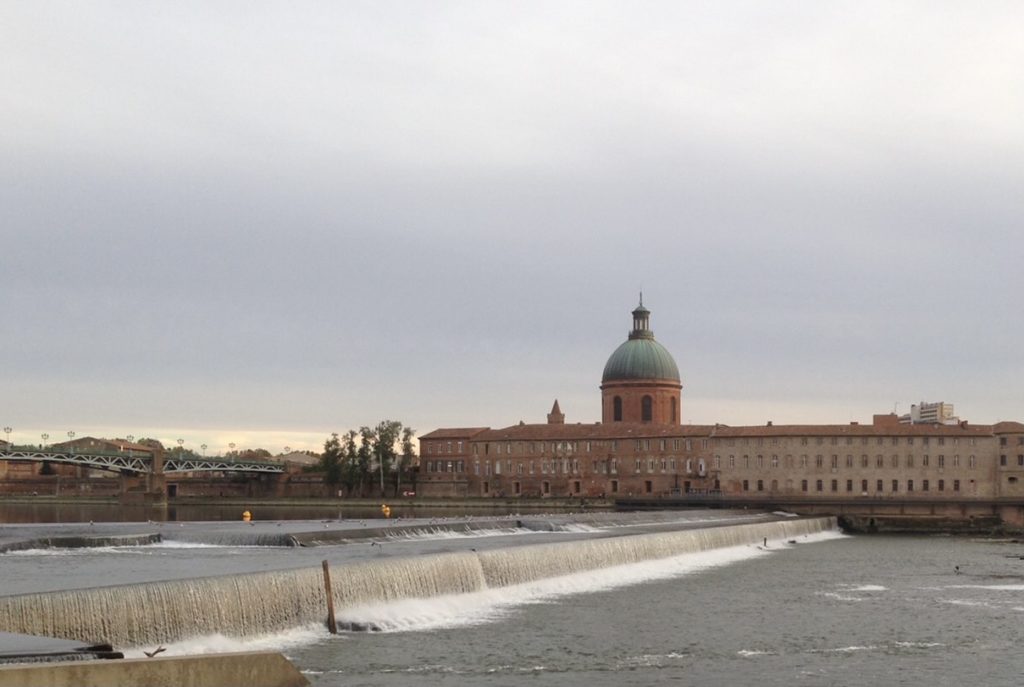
x=332, y=624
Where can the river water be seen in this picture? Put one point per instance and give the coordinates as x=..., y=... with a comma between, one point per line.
x=847, y=611
x=827, y=610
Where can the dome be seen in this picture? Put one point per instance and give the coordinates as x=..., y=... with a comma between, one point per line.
x=640, y=357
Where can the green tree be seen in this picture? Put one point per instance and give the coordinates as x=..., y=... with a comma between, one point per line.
x=406, y=458
x=330, y=460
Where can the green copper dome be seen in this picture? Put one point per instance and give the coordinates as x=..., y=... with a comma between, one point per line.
x=640, y=357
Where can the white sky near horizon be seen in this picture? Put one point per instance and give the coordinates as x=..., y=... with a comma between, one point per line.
x=263, y=222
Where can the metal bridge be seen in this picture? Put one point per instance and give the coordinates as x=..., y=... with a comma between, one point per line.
x=128, y=463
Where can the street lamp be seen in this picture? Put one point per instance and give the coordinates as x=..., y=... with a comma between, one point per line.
x=7, y=431
x=287, y=450
x=203, y=446
x=180, y=449
x=232, y=446
x=45, y=437
x=130, y=438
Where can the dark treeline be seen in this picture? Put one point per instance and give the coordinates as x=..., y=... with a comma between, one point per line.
x=370, y=461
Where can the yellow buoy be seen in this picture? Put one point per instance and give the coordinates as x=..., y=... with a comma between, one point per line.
x=246, y=516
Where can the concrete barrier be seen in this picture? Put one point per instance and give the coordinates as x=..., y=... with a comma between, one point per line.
x=252, y=669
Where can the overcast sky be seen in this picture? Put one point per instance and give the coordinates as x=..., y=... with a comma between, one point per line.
x=264, y=222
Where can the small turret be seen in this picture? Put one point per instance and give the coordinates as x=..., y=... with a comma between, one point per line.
x=556, y=416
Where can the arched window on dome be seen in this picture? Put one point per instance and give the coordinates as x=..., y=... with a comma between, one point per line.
x=646, y=411
x=617, y=409
x=675, y=416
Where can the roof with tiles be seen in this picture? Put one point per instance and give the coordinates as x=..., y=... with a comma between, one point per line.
x=616, y=430
x=964, y=429
x=454, y=433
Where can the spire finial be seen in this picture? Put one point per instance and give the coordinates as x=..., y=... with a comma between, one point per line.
x=641, y=296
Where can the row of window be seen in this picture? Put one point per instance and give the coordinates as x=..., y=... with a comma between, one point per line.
x=835, y=462
x=676, y=444
x=879, y=484
x=849, y=441
x=541, y=447
x=1003, y=461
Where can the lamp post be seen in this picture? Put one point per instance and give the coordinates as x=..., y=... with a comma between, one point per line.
x=71, y=437
x=130, y=438
x=46, y=437
x=7, y=431
x=287, y=450
x=203, y=446
x=180, y=449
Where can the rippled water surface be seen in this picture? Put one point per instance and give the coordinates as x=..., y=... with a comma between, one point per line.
x=852, y=611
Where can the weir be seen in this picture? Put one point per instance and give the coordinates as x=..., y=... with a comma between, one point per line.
x=261, y=603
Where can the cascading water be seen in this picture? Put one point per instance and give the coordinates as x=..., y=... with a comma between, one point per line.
x=259, y=603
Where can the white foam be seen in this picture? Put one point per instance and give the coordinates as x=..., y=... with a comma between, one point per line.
x=218, y=643
x=869, y=588
x=750, y=653
x=997, y=587
x=463, y=610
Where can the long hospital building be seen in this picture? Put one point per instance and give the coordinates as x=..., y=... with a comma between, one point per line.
x=641, y=449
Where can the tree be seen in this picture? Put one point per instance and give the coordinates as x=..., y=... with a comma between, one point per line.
x=330, y=460
x=406, y=458
x=368, y=456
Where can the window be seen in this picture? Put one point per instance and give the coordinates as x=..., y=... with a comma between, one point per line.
x=970, y=462
x=895, y=462
x=849, y=485
x=864, y=461
x=746, y=485
x=956, y=461
x=835, y=485
x=910, y=460
x=910, y=485
x=864, y=486
x=879, y=462
x=818, y=461
x=775, y=461
x=835, y=462
x=1002, y=459
x=674, y=415
x=615, y=486
x=819, y=485
x=895, y=486
x=924, y=485
x=878, y=486
x=942, y=485
x=849, y=461
x=803, y=485
x=1020, y=459
x=617, y=409
x=645, y=409
x=760, y=485
x=956, y=485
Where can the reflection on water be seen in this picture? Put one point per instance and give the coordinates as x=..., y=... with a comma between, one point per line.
x=48, y=512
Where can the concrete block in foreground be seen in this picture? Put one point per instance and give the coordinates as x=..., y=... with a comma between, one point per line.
x=249, y=668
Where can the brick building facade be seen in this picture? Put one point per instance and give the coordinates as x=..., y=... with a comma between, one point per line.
x=640, y=448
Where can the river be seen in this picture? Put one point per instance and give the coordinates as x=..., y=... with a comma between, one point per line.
x=828, y=610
